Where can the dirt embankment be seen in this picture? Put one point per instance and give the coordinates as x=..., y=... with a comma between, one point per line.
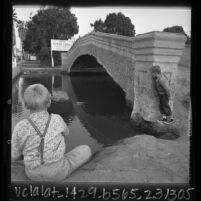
x=140, y=159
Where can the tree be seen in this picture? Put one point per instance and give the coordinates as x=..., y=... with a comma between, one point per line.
x=14, y=16
x=49, y=23
x=22, y=30
x=115, y=24
x=98, y=25
x=178, y=29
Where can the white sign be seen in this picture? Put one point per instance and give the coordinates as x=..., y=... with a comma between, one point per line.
x=61, y=45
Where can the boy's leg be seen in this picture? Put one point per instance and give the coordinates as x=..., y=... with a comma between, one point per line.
x=60, y=170
x=78, y=156
x=166, y=107
x=161, y=106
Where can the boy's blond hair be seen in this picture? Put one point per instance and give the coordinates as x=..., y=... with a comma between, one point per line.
x=36, y=97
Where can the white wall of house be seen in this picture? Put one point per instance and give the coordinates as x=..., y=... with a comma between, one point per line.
x=18, y=46
x=18, y=40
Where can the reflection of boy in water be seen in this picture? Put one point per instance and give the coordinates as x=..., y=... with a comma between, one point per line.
x=163, y=92
x=40, y=140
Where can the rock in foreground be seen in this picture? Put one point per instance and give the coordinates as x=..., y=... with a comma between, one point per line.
x=139, y=159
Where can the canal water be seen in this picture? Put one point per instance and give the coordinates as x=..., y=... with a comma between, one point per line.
x=94, y=107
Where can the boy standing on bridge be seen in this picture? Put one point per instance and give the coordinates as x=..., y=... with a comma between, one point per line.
x=40, y=140
x=163, y=91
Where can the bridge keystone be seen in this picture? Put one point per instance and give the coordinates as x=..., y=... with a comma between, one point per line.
x=154, y=48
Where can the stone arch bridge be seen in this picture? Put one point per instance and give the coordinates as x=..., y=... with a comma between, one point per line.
x=128, y=60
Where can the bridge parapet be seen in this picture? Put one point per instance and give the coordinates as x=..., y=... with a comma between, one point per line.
x=116, y=43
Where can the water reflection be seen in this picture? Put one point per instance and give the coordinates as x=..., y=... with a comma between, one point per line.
x=103, y=110
x=101, y=95
x=46, y=80
x=93, y=107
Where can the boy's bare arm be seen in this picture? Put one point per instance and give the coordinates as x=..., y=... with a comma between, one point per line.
x=64, y=127
x=66, y=130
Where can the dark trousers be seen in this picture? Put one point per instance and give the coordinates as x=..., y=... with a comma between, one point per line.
x=164, y=105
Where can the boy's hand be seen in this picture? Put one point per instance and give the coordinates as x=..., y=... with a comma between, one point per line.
x=65, y=132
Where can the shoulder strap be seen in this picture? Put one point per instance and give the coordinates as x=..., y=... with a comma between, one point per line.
x=34, y=126
x=42, y=136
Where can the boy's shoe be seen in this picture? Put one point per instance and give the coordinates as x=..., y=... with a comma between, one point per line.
x=161, y=121
x=168, y=121
x=165, y=121
x=164, y=118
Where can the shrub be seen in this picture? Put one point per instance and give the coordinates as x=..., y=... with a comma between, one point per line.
x=45, y=56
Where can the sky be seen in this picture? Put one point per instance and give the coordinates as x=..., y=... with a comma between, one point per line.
x=145, y=19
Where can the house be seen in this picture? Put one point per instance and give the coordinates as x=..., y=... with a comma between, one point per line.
x=17, y=46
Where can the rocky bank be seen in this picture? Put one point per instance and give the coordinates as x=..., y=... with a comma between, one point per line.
x=139, y=159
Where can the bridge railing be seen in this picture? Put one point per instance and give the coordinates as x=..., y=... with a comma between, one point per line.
x=77, y=41
x=105, y=40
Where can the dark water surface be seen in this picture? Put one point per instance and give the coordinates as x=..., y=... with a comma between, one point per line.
x=94, y=107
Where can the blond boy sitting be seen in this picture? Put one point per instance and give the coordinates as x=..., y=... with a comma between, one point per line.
x=40, y=140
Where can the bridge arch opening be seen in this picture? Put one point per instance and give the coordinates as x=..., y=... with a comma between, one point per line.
x=101, y=93
x=87, y=64
x=101, y=107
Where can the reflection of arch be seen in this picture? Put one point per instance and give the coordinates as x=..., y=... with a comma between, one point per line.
x=98, y=126
x=97, y=88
